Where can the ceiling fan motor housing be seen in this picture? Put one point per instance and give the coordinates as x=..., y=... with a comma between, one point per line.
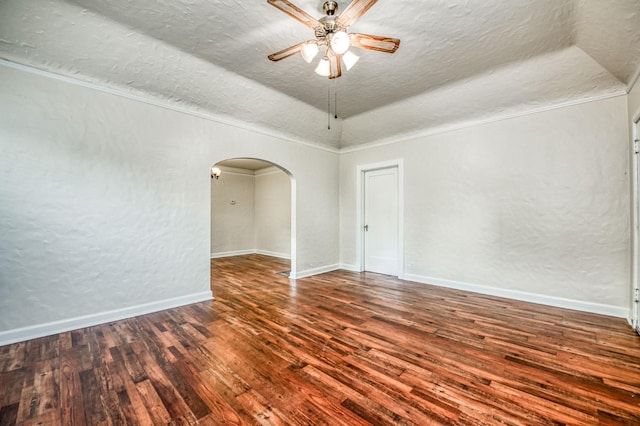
x=329, y=21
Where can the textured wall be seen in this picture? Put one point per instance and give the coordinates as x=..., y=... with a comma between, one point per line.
x=633, y=107
x=232, y=224
x=105, y=200
x=102, y=207
x=273, y=212
x=538, y=203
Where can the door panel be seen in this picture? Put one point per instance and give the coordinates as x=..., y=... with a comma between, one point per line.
x=381, y=221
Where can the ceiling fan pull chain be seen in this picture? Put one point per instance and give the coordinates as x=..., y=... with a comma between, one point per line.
x=335, y=94
x=329, y=107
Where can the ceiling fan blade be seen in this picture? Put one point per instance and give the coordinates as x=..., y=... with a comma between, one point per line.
x=335, y=66
x=372, y=42
x=354, y=11
x=285, y=53
x=295, y=12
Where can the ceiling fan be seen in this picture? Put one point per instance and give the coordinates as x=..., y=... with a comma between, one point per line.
x=331, y=31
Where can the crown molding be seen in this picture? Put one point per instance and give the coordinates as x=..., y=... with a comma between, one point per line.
x=150, y=100
x=475, y=123
x=268, y=132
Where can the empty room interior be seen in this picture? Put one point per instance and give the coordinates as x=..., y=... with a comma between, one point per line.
x=314, y=212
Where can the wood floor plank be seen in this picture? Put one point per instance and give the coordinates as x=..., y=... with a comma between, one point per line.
x=340, y=348
x=166, y=391
x=12, y=357
x=11, y=383
x=261, y=410
x=132, y=404
x=71, y=397
x=215, y=401
x=152, y=401
x=9, y=414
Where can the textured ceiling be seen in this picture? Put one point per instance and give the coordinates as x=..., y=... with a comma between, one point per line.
x=458, y=60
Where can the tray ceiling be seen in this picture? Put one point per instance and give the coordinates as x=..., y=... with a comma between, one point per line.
x=458, y=60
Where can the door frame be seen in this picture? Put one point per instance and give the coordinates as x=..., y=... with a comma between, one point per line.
x=360, y=189
x=635, y=223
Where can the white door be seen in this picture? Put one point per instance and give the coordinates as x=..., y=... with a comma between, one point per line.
x=381, y=221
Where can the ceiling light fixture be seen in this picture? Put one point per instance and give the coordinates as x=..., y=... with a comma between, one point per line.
x=340, y=42
x=331, y=31
x=309, y=51
x=350, y=59
x=215, y=172
x=323, y=67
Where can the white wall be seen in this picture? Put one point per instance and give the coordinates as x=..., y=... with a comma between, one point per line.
x=105, y=203
x=233, y=213
x=535, y=207
x=251, y=213
x=105, y=213
x=273, y=212
x=633, y=108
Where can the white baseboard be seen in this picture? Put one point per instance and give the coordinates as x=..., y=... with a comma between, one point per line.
x=316, y=271
x=231, y=253
x=350, y=268
x=559, y=302
x=55, y=327
x=274, y=254
x=251, y=251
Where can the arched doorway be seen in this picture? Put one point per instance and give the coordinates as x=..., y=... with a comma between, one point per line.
x=253, y=210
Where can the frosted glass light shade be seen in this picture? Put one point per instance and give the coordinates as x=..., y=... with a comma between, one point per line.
x=350, y=59
x=215, y=172
x=309, y=51
x=323, y=67
x=340, y=42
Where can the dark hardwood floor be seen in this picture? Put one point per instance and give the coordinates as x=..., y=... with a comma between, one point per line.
x=336, y=349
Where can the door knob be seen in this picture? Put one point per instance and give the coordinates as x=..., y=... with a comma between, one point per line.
x=366, y=227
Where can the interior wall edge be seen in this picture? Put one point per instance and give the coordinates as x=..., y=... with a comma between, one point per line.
x=349, y=267
x=633, y=81
x=558, y=302
x=41, y=330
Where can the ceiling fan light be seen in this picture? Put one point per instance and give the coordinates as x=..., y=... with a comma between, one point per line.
x=350, y=59
x=215, y=172
x=340, y=42
x=323, y=67
x=309, y=51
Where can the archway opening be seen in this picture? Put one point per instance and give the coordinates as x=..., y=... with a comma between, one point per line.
x=253, y=211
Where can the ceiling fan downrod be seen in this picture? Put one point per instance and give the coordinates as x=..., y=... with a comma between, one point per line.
x=330, y=7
